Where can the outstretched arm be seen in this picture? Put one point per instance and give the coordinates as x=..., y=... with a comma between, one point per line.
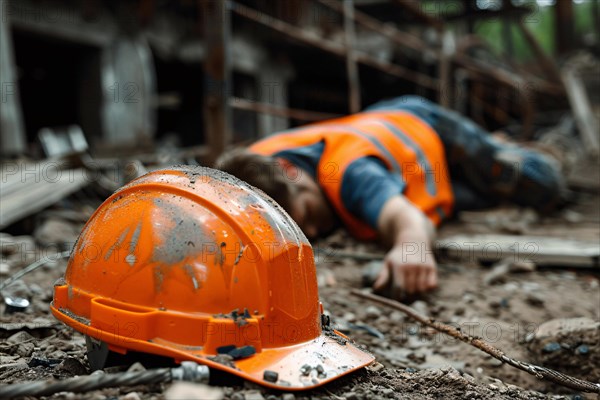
x=410, y=266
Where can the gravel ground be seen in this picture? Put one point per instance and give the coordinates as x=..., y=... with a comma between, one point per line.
x=413, y=362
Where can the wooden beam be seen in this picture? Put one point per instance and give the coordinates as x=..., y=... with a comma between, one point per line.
x=301, y=115
x=217, y=84
x=398, y=71
x=289, y=30
x=401, y=38
x=546, y=63
x=412, y=7
x=565, y=27
x=314, y=40
x=351, y=67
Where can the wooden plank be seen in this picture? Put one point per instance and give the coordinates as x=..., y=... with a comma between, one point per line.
x=35, y=190
x=544, y=251
x=582, y=111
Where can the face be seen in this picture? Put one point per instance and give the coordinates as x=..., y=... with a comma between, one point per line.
x=310, y=208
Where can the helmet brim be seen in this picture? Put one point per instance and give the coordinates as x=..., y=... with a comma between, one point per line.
x=298, y=367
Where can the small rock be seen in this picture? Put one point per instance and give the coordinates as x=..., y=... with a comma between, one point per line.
x=22, y=245
x=136, y=367
x=8, y=359
x=583, y=349
x=498, y=273
x=25, y=349
x=72, y=366
x=349, y=316
x=305, y=369
x=375, y=367
x=270, y=376
x=522, y=266
x=58, y=355
x=17, y=366
x=56, y=232
x=235, y=396
x=372, y=312
x=188, y=390
x=330, y=279
x=535, y=299
x=396, y=317
x=288, y=396
x=494, y=304
x=253, y=395
x=494, y=362
x=131, y=396
x=350, y=396
x=572, y=216
x=17, y=289
x=421, y=307
x=552, y=347
x=370, y=272
x=19, y=337
x=468, y=298
x=4, y=268
x=242, y=352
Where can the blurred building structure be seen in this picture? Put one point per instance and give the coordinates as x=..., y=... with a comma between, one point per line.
x=206, y=74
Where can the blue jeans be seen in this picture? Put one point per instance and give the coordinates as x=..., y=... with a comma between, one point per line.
x=485, y=170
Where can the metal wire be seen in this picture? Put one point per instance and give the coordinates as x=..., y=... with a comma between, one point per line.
x=537, y=371
x=32, y=267
x=189, y=371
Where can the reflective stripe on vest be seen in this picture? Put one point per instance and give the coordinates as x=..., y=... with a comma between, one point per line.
x=406, y=145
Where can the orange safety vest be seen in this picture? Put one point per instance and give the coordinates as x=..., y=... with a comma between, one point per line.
x=406, y=145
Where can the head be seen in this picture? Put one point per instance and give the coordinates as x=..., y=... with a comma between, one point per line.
x=288, y=185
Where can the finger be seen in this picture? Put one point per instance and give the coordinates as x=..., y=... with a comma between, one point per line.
x=432, y=281
x=383, y=279
x=410, y=277
x=423, y=279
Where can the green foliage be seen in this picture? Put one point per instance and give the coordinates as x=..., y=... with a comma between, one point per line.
x=541, y=23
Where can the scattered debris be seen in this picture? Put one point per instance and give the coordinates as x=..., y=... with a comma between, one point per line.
x=270, y=376
x=187, y=390
x=571, y=345
x=51, y=181
x=15, y=304
x=242, y=352
x=546, y=251
x=56, y=232
x=540, y=372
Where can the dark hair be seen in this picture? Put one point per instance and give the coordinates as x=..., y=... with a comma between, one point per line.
x=263, y=172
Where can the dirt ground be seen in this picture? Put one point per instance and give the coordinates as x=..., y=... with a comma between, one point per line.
x=414, y=362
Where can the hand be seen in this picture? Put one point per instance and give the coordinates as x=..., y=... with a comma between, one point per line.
x=407, y=273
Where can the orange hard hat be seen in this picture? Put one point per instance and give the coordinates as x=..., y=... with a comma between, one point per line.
x=191, y=263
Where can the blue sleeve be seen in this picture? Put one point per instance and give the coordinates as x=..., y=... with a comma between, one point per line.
x=366, y=186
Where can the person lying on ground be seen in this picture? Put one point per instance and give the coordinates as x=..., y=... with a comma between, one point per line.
x=394, y=172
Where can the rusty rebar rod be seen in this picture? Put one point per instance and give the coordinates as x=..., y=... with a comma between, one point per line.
x=189, y=371
x=539, y=372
